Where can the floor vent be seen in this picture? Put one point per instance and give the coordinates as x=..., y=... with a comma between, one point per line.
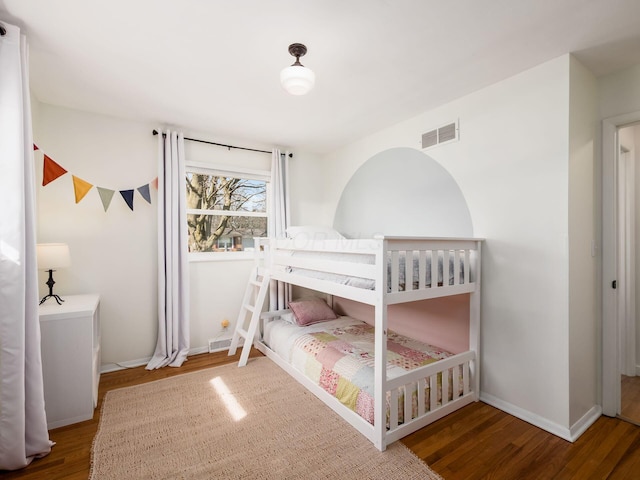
x=219, y=345
x=444, y=134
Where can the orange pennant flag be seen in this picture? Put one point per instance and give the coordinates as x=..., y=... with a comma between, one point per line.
x=51, y=170
x=80, y=187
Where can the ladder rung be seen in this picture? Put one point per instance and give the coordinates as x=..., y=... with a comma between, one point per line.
x=254, y=298
x=243, y=333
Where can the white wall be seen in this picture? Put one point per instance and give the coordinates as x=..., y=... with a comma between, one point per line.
x=308, y=176
x=619, y=93
x=115, y=253
x=112, y=253
x=583, y=306
x=512, y=165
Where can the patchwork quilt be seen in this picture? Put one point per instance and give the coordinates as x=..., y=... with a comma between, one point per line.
x=341, y=360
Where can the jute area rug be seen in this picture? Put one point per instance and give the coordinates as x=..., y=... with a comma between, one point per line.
x=254, y=422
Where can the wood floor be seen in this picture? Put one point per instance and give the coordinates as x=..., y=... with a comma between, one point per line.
x=630, y=404
x=476, y=442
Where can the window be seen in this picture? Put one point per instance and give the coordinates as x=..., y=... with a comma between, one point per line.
x=225, y=210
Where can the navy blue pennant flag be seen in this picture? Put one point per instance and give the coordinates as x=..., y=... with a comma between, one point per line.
x=128, y=197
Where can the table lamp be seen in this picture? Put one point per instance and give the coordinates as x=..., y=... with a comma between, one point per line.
x=50, y=257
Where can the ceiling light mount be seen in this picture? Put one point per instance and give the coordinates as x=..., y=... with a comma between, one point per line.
x=297, y=79
x=297, y=50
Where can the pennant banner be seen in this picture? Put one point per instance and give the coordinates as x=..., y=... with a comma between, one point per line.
x=105, y=195
x=128, y=197
x=52, y=170
x=144, y=191
x=80, y=188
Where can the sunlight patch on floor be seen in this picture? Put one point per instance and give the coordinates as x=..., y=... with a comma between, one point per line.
x=233, y=407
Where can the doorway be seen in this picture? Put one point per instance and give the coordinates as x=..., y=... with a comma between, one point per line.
x=621, y=226
x=628, y=143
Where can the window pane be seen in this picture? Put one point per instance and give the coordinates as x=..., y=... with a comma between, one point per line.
x=220, y=233
x=210, y=192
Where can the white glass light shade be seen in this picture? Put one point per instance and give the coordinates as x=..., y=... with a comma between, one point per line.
x=53, y=255
x=297, y=80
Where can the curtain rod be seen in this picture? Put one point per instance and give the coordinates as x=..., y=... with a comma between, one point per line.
x=155, y=132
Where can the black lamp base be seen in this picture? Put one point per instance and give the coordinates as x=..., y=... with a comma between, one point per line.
x=50, y=284
x=57, y=297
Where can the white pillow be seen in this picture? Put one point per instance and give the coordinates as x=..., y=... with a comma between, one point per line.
x=312, y=232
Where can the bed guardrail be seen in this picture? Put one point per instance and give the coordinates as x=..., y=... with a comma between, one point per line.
x=428, y=393
x=416, y=268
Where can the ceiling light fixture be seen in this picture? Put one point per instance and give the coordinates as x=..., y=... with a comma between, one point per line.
x=297, y=79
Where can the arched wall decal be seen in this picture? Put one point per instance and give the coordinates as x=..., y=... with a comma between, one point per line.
x=402, y=191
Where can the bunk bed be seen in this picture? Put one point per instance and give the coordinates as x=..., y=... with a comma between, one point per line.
x=380, y=272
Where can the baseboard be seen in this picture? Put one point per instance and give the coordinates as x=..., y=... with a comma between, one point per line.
x=585, y=422
x=114, y=367
x=569, y=434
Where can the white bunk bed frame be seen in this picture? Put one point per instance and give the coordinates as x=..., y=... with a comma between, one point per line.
x=280, y=264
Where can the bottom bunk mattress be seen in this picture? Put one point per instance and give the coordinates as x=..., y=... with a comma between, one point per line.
x=338, y=355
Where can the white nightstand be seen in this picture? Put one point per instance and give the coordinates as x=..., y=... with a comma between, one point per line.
x=70, y=358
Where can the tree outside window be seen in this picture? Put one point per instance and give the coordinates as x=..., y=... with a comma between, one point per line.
x=225, y=213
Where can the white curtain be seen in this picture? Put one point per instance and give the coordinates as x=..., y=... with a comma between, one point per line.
x=23, y=423
x=279, y=293
x=172, y=346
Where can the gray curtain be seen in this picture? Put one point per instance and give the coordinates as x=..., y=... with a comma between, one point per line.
x=23, y=423
x=172, y=346
x=279, y=292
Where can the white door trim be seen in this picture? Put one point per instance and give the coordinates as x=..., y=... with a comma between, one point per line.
x=626, y=263
x=610, y=371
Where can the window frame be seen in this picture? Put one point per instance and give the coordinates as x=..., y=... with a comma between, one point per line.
x=225, y=171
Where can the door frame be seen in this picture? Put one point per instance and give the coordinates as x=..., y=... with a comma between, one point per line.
x=626, y=261
x=610, y=323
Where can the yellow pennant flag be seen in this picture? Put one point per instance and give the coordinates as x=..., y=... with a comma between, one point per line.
x=80, y=187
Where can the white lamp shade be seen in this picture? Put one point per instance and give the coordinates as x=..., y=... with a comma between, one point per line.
x=53, y=255
x=297, y=80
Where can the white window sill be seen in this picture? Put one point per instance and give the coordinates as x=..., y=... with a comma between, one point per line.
x=220, y=256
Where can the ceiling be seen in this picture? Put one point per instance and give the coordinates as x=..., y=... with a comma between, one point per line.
x=213, y=66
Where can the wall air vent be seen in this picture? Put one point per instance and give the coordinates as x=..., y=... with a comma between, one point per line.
x=444, y=134
x=218, y=345
x=430, y=139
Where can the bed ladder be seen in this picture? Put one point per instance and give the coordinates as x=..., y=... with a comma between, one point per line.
x=254, y=297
